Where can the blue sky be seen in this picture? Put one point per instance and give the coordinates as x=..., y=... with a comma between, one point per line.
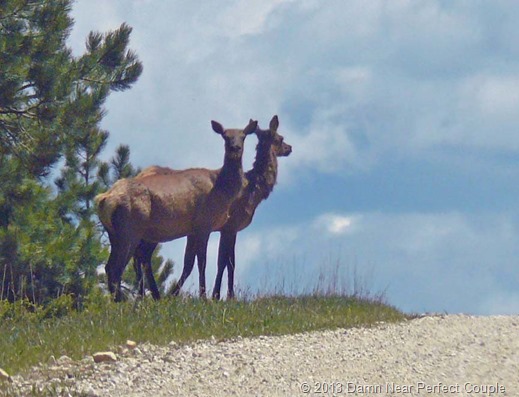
x=403, y=117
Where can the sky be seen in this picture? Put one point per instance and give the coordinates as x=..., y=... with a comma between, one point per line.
x=403, y=117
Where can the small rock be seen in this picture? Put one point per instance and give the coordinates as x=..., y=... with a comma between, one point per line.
x=130, y=344
x=64, y=360
x=89, y=391
x=4, y=375
x=102, y=357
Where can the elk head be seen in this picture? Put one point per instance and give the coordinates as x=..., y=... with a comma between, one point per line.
x=234, y=138
x=273, y=139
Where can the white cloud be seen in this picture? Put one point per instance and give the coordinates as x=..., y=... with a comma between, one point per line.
x=326, y=147
x=355, y=81
x=428, y=262
x=339, y=225
x=248, y=17
x=480, y=112
x=193, y=72
x=499, y=95
x=335, y=224
x=352, y=82
x=424, y=262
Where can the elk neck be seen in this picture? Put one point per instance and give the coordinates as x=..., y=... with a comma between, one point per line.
x=262, y=177
x=230, y=178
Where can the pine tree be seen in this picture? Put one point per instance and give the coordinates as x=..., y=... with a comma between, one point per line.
x=51, y=104
x=35, y=80
x=118, y=167
x=43, y=88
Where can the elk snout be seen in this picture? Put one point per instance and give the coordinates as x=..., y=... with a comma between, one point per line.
x=235, y=148
x=287, y=149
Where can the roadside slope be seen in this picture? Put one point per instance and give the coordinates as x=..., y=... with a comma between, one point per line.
x=441, y=355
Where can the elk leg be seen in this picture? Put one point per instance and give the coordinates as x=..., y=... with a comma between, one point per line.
x=114, y=268
x=152, y=284
x=189, y=262
x=142, y=258
x=202, y=260
x=231, y=264
x=123, y=243
x=110, y=264
x=223, y=258
x=138, y=273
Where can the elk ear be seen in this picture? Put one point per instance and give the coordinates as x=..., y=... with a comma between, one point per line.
x=274, y=123
x=251, y=128
x=217, y=127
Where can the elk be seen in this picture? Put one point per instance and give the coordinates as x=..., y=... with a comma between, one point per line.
x=162, y=204
x=260, y=183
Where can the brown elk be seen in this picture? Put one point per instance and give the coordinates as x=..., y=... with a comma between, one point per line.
x=162, y=204
x=261, y=180
x=260, y=183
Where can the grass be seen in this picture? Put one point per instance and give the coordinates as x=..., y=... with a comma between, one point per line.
x=28, y=337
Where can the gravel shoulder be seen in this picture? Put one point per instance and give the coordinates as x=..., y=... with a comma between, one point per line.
x=434, y=356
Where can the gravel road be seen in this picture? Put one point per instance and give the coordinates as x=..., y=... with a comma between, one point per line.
x=430, y=356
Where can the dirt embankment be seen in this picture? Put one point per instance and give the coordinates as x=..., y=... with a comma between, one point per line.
x=452, y=355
